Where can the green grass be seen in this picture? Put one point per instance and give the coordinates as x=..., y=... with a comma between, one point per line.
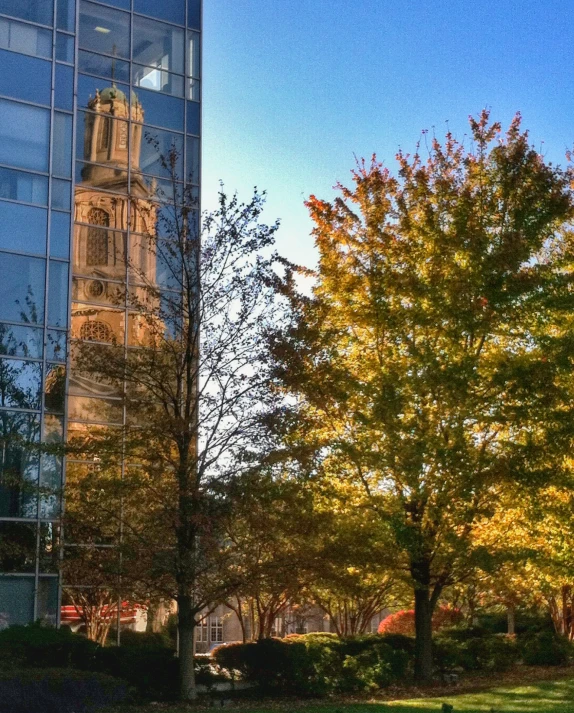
x=545, y=697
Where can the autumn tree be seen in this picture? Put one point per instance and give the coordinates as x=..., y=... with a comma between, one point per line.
x=351, y=567
x=194, y=386
x=428, y=365
x=270, y=529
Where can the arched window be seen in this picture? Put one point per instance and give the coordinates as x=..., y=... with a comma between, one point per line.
x=97, y=240
x=96, y=331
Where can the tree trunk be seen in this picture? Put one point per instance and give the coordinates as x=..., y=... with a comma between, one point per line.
x=186, y=630
x=511, y=619
x=423, y=635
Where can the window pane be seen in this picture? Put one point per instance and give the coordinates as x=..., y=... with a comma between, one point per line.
x=109, y=67
x=16, y=601
x=193, y=118
x=193, y=67
x=171, y=10
x=18, y=37
x=81, y=408
x=61, y=194
x=20, y=384
x=102, y=138
x=161, y=109
x=20, y=186
x=17, y=547
x=23, y=228
x=104, y=30
x=56, y=345
x=153, y=262
x=88, y=86
x=158, y=80
x=97, y=323
x=33, y=10
x=60, y=235
x=22, y=288
x=50, y=485
x=58, y=294
x=194, y=14
x=64, y=48
x=158, y=145
x=55, y=388
x=102, y=177
x=194, y=90
x=98, y=252
x=192, y=146
x=25, y=78
x=21, y=341
x=158, y=45
x=48, y=600
x=62, y=149
x=99, y=291
x=19, y=462
x=24, y=135
x=64, y=92
x=66, y=15
x=49, y=547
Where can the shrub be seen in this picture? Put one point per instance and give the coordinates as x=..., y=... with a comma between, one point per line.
x=546, y=649
x=142, y=639
x=39, y=646
x=400, y=642
x=152, y=671
x=58, y=691
x=474, y=649
x=403, y=622
x=315, y=665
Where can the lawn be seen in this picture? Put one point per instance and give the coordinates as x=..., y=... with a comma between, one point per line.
x=543, y=697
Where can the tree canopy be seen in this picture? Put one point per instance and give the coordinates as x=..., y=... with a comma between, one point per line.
x=430, y=365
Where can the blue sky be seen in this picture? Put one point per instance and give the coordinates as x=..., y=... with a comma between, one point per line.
x=293, y=89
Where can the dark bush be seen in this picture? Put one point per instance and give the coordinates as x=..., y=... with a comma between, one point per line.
x=315, y=665
x=152, y=671
x=474, y=649
x=400, y=642
x=545, y=649
x=143, y=661
x=142, y=639
x=58, y=691
x=39, y=646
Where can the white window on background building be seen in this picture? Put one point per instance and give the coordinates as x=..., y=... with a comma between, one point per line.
x=216, y=629
x=201, y=632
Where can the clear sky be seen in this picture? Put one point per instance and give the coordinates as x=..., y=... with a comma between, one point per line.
x=293, y=89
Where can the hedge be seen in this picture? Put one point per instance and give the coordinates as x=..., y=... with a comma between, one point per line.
x=312, y=665
x=58, y=691
x=142, y=662
x=546, y=649
x=474, y=649
x=39, y=646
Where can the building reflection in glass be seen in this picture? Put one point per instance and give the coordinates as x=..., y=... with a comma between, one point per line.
x=114, y=225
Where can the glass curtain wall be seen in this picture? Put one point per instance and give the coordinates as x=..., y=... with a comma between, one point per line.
x=91, y=95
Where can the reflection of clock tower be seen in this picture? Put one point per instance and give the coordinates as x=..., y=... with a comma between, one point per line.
x=106, y=202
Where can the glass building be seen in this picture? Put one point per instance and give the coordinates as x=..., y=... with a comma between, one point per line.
x=92, y=94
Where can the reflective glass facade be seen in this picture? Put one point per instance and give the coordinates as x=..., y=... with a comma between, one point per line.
x=92, y=93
